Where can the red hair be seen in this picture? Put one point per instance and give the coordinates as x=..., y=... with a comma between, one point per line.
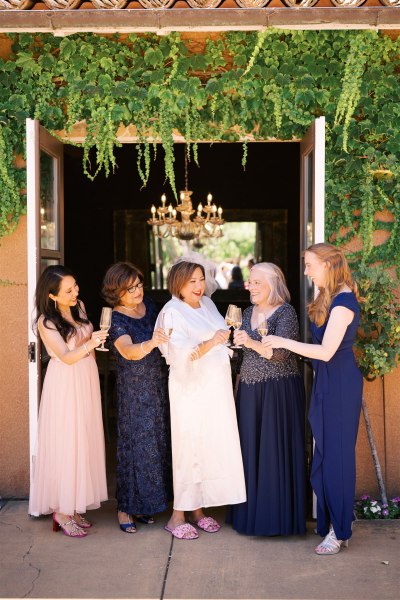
x=338, y=276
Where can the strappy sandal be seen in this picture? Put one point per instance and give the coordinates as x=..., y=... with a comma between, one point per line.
x=129, y=527
x=81, y=521
x=74, y=530
x=145, y=519
x=330, y=544
x=186, y=531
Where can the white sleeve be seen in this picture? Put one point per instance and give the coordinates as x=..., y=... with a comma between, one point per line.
x=177, y=350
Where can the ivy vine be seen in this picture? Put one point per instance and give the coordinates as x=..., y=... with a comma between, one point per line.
x=242, y=86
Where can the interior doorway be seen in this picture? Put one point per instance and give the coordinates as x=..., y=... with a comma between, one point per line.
x=105, y=220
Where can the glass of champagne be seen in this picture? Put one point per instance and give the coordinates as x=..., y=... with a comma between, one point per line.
x=167, y=324
x=237, y=322
x=105, y=324
x=229, y=320
x=262, y=328
x=262, y=325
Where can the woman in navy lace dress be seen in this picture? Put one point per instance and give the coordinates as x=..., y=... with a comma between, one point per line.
x=337, y=391
x=271, y=414
x=144, y=485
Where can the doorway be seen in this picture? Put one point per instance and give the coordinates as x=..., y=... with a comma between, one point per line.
x=283, y=180
x=105, y=220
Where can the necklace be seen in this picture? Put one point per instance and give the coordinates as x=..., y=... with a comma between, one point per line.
x=128, y=307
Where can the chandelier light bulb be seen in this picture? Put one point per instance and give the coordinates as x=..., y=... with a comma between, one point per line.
x=220, y=211
x=209, y=198
x=163, y=199
x=174, y=213
x=182, y=196
x=200, y=208
x=214, y=208
x=170, y=208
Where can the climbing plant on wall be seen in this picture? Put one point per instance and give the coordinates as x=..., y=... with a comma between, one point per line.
x=240, y=86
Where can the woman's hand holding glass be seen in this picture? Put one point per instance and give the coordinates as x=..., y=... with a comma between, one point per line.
x=220, y=337
x=241, y=338
x=98, y=337
x=159, y=337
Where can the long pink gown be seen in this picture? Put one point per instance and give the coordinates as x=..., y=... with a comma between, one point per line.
x=69, y=460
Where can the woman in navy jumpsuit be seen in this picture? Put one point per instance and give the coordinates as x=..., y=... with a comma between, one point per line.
x=337, y=391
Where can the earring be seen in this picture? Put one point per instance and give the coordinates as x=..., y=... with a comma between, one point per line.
x=55, y=304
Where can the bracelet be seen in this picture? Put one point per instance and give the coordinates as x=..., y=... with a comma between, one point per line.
x=86, y=348
x=142, y=349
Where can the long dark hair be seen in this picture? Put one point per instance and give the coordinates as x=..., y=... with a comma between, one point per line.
x=50, y=283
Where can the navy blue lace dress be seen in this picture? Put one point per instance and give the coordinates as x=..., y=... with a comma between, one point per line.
x=144, y=479
x=334, y=416
x=271, y=416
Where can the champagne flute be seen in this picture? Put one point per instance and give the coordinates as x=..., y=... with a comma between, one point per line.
x=262, y=328
x=262, y=325
x=167, y=324
x=229, y=321
x=237, y=321
x=229, y=315
x=105, y=324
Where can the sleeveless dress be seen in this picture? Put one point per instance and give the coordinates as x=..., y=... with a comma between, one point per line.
x=334, y=416
x=69, y=472
x=271, y=416
x=144, y=469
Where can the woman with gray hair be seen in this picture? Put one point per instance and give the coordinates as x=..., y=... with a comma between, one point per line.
x=271, y=414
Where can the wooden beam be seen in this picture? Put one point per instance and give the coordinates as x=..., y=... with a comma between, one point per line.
x=162, y=22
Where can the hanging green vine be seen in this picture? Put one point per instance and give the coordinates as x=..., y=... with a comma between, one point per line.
x=242, y=86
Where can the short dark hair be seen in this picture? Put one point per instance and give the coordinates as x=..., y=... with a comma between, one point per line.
x=118, y=279
x=179, y=274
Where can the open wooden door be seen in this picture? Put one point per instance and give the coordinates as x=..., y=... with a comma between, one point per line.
x=312, y=231
x=312, y=206
x=45, y=212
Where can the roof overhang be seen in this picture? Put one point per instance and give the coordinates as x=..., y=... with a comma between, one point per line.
x=162, y=22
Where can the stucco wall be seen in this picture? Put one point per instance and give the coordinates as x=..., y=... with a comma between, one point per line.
x=382, y=397
x=14, y=421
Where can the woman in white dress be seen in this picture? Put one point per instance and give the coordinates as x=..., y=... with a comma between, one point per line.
x=206, y=456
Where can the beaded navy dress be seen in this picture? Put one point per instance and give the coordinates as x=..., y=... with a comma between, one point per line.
x=334, y=416
x=271, y=417
x=144, y=473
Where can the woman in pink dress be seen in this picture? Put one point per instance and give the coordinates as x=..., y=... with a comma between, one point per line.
x=69, y=473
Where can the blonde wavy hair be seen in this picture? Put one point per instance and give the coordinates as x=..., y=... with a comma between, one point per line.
x=338, y=275
x=276, y=281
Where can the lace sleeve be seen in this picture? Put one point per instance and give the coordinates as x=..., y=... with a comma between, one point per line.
x=286, y=326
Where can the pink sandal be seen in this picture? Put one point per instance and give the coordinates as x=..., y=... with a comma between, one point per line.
x=183, y=532
x=209, y=525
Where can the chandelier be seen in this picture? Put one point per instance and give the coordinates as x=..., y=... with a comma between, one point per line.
x=206, y=224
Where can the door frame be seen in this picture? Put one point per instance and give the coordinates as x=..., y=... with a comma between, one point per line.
x=38, y=140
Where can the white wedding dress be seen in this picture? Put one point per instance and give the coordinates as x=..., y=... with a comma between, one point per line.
x=206, y=455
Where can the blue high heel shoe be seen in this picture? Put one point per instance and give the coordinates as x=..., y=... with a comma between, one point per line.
x=129, y=527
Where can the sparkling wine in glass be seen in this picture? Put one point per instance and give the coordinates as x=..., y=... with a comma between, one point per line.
x=105, y=324
x=262, y=325
x=167, y=324
x=229, y=321
x=237, y=321
x=262, y=328
x=229, y=315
